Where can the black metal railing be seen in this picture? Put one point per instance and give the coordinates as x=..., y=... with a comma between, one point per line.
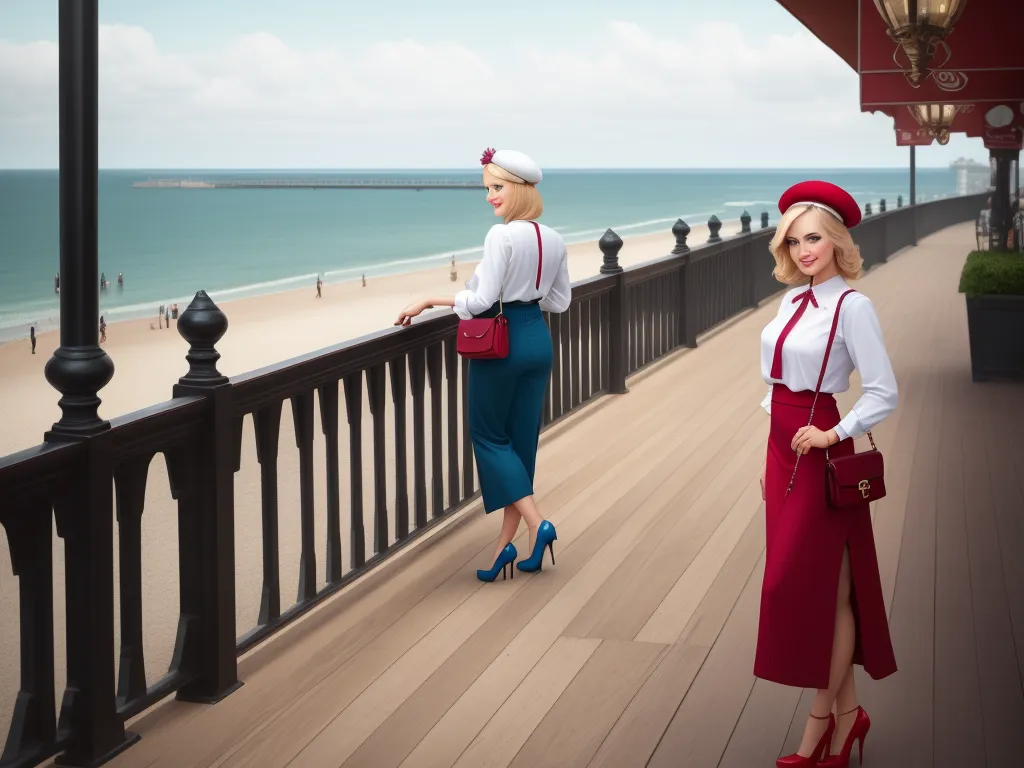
x=403, y=463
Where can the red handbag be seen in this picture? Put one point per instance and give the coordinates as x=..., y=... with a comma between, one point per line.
x=858, y=478
x=487, y=337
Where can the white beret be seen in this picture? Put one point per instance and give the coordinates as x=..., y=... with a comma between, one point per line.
x=518, y=164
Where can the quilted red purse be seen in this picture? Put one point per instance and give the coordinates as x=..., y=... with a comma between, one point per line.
x=487, y=337
x=858, y=478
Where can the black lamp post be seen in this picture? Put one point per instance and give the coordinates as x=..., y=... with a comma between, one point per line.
x=79, y=368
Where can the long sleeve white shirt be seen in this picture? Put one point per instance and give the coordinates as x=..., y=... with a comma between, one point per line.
x=510, y=254
x=858, y=345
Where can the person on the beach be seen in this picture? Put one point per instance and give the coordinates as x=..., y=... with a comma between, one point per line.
x=103, y=329
x=822, y=609
x=167, y=316
x=32, y=338
x=120, y=280
x=160, y=317
x=56, y=283
x=364, y=280
x=523, y=272
x=319, y=283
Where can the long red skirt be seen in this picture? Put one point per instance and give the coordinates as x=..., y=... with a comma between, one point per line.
x=804, y=553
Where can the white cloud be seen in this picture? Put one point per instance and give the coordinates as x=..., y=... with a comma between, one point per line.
x=713, y=96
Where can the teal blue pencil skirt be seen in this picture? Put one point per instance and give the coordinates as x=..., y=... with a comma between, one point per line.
x=506, y=404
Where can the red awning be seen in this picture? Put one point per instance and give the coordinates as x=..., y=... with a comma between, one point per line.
x=834, y=22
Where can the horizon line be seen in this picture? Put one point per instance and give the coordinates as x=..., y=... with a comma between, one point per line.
x=468, y=170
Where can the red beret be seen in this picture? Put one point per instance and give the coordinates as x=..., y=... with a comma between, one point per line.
x=824, y=194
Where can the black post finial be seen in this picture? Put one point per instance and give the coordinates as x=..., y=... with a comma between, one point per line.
x=744, y=222
x=681, y=230
x=881, y=206
x=764, y=219
x=714, y=225
x=610, y=245
x=867, y=209
x=899, y=201
x=202, y=325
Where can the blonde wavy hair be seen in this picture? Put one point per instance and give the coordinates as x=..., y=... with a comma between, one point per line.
x=522, y=199
x=846, y=252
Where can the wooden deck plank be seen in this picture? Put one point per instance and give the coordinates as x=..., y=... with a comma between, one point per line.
x=501, y=739
x=653, y=469
x=699, y=732
x=1003, y=428
x=1001, y=694
x=586, y=712
x=635, y=736
x=959, y=735
x=460, y=724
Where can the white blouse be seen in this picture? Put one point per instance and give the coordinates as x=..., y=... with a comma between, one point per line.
x=858, y=344
x=510, y=253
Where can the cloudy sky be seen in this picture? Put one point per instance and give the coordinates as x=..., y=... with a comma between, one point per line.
x=428, y=84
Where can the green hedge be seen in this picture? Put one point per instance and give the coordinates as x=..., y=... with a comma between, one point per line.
x=993, y=272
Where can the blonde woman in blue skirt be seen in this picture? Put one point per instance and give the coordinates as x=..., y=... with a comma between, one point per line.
x=525, y=263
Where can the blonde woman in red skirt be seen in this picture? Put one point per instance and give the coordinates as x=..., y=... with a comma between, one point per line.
x=822, y=609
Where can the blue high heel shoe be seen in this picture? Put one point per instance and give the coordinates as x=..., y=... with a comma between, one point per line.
x=546, y=535
x=505, y=559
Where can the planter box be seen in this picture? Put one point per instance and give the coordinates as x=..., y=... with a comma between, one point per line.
x=995, y=327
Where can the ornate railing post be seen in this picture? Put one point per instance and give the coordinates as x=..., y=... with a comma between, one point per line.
x=881, y=205
x=206, y=527
x=744, y=222
x=715, y=226
x=867, y=209
x=764, y=219
x=79, y=369
x=681, y=230
x=618, y=317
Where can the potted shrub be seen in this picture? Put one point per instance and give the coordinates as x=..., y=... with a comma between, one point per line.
x=993, y=283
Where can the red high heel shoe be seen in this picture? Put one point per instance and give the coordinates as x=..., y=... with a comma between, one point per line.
x=799, y=761
x=857, y=733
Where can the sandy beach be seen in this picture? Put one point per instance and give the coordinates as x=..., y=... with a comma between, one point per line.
x=263, y=330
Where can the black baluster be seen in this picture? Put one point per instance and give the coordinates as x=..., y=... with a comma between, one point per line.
x=353, y=384
x=377, y=393
x=33, y=728
x=398, y=395
x=714, y=225
x=302, y=419
x=436, y=448
x=85, y=520
x=417, y=375
x=268, y=431
x=451, y=372
x=468, y=484
x=130, y=492
x=881, y=205
x=565, y=345
x=328, y=395
x=899, y=201
x=555, y=329
x=764, y=219
x=584, y=337
x=744, y=222
x=867, y=209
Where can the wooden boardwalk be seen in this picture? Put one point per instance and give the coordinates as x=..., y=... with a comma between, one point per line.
x=636, y=649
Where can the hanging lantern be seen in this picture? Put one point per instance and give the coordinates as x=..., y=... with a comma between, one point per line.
x=920, y=27
x=936, y=118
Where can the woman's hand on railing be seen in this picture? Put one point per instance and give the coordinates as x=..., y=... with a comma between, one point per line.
x=406, y=315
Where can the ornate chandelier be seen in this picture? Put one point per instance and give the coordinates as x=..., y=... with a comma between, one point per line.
x=920, y=27
x=936, y=118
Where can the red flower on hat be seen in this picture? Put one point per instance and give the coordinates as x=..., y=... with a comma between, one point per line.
x=487, y=156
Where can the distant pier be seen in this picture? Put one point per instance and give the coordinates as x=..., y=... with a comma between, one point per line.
x=414, y=184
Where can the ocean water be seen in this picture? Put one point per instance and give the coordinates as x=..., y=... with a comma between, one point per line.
x=169, y=243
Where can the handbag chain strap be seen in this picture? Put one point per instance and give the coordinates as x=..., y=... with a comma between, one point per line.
x=821, y=378
x=540, y=264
